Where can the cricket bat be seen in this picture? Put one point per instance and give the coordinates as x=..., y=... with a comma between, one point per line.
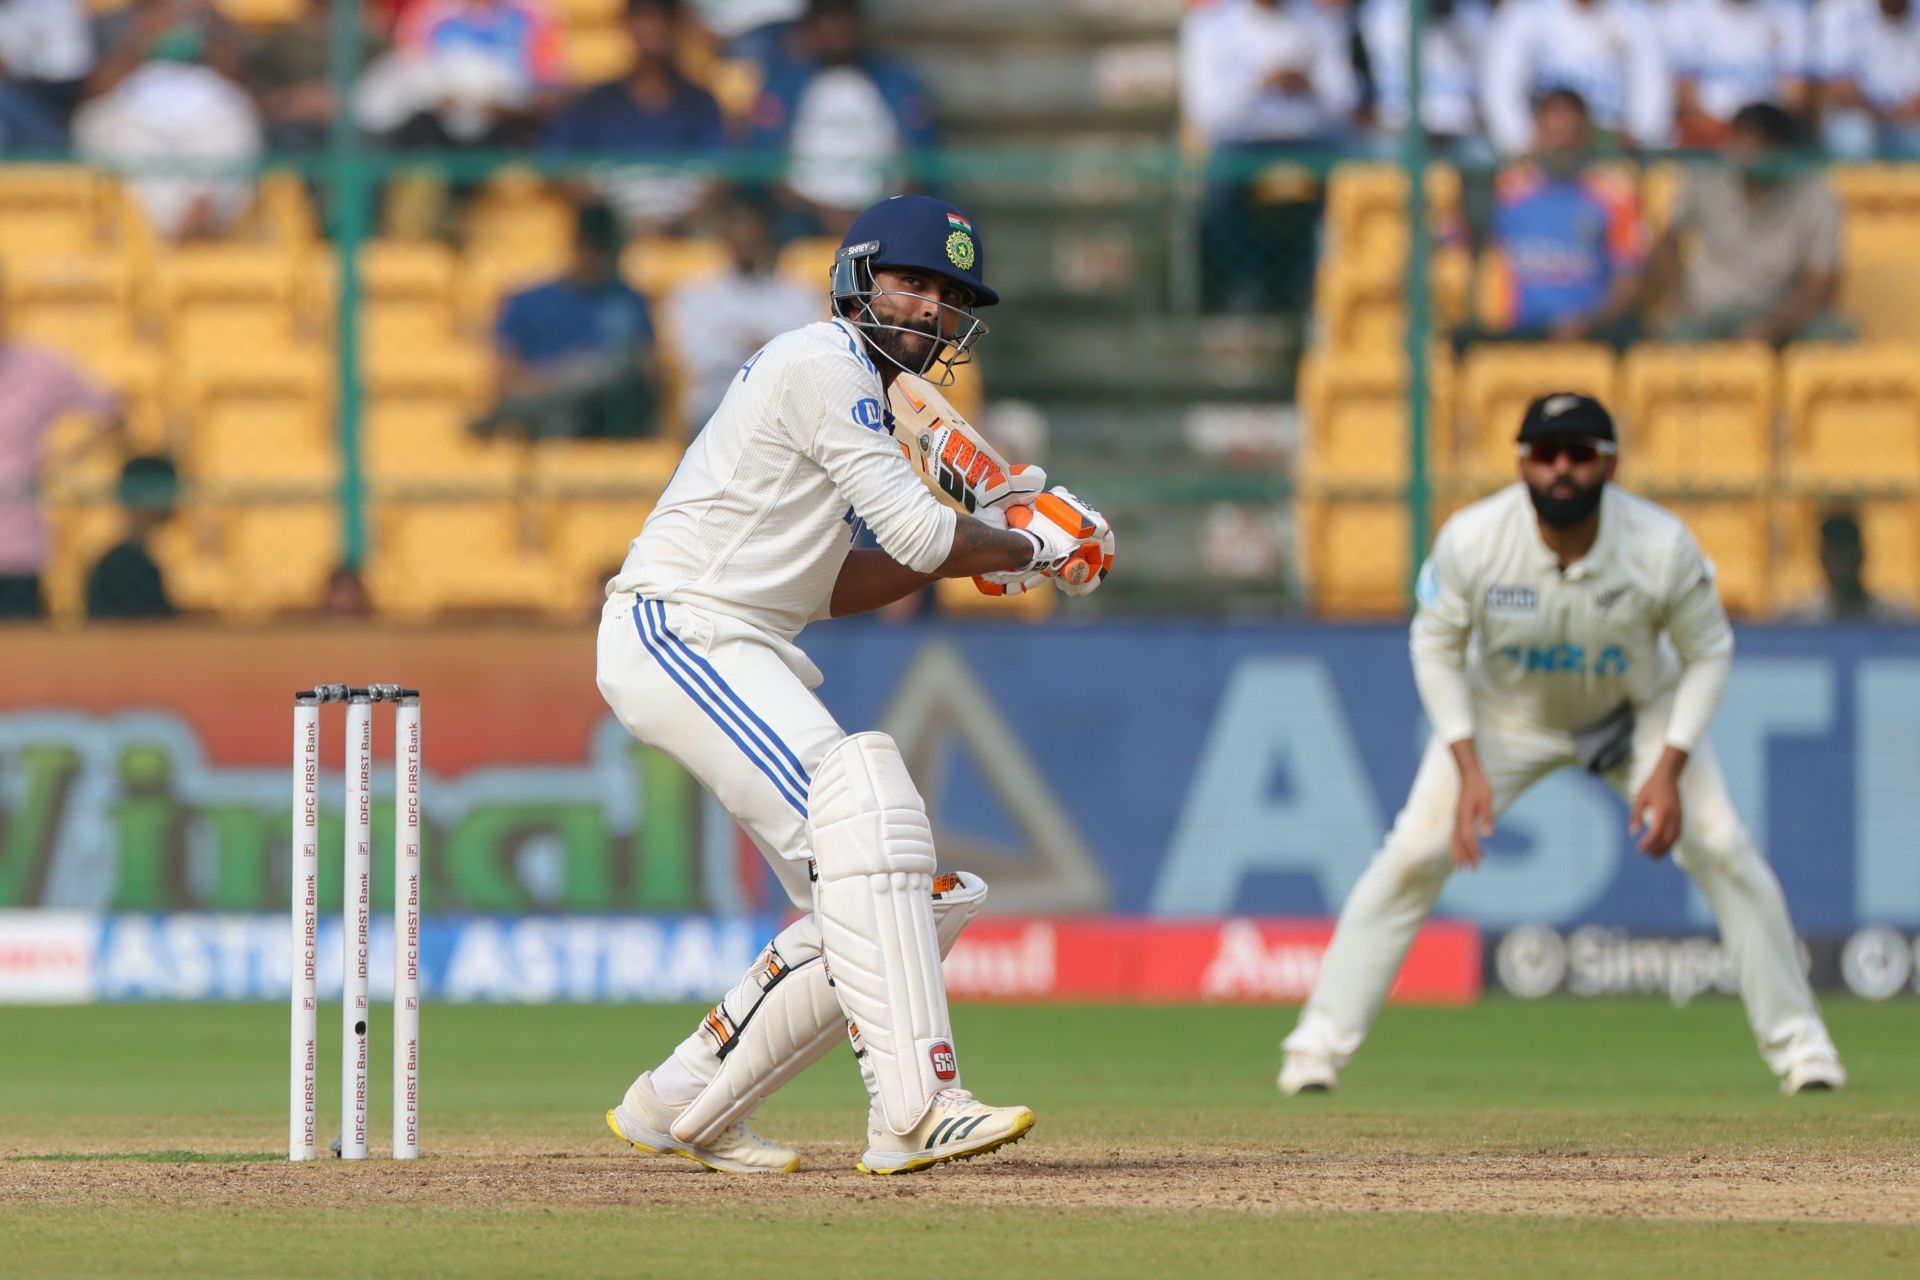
x=957, y=462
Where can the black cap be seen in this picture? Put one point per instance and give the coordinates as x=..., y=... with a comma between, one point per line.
x=1562, y=415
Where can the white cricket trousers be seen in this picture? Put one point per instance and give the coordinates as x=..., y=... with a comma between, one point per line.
x=1398, y=889
x=719, y=696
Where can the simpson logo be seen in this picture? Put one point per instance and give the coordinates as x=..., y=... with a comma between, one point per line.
x=1512, y=600
x=941, y=1055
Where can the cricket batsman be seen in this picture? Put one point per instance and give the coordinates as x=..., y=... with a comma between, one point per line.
x=752, y=540
x=1566, y=622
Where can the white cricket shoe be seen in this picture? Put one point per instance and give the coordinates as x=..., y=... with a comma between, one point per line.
x=643, y=1120
x=1819, y=1074
x=1307, y=1073
x=956, y=1127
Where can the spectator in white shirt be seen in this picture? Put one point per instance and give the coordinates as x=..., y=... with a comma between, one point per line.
x=1869, y=59
x=1727, y=53
x=1449, y=71
x=1607, y=51
x=1263, y=81
x=46, y=54
x=717, y=324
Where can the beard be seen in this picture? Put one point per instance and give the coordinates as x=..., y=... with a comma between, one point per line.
x=1564, y=511
x=906, y=344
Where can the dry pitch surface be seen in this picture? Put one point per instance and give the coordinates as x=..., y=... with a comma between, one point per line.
x=1560, y=1139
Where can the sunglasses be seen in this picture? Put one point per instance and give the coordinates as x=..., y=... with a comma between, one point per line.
x=1546, y=452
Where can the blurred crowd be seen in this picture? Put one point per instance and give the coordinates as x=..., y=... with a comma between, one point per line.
x=1653, y=73
x=160, y=82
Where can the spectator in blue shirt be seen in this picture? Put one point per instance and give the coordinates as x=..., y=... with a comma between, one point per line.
x=653, y=112
x=846, y=118
x=1566, y=237
x=576, y=355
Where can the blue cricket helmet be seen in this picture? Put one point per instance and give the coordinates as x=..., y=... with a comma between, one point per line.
x=914, y=231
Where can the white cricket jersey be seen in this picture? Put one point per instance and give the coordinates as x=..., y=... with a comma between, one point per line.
x=772, y=493
x=1606, y=50
x=1502, y=628
x=1736, y=51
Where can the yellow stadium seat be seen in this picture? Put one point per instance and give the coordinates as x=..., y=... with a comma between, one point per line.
x=485, y=284
x=808, y=261
x=657, y=265
x=262, y=13
x=1737, y=535
x=47, y=210
x=1367, y=213
x=589, y=13
x=262, y=425
x=595, y=55
x=1354, y=555
x=1354, y=425
x=1880, y=278
x=594, y=496
x=420, y=407
x=1853, y=416
x=519, y=223
x=1360, y=310
x=1889, y=532
x=226, y=298
x=1660, y=186
x=735, y=84
x=407, y=294
x=136, y=374
x=1699, y=417
x=1875, y=191
x=248, y=561
x=1497, y=380
x=282, y=213
x=74, y=303
x=465, y=555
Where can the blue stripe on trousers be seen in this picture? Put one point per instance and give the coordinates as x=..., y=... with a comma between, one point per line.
x=659, y=654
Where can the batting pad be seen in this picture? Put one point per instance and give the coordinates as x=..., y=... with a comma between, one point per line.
x=791, y=1022
x=873, y=849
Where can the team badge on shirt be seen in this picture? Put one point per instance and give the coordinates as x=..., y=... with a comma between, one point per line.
x=1512, y=600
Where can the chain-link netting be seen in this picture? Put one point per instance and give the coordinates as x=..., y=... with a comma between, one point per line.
x=422, y=333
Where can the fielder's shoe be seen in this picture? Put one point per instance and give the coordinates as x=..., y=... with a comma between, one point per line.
x=1822, y=1074
x=642, y=1120
x=1307, y=1073
x=956, y=1127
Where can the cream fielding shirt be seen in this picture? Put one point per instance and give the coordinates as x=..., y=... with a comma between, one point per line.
x=1501, y=628
x=798, y=459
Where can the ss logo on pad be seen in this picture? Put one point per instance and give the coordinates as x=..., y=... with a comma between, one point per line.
x=941, y=1055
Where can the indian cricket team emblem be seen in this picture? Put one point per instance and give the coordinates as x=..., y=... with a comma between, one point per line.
x=960, y=250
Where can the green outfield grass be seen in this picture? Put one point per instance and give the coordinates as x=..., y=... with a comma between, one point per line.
x=140, y=1140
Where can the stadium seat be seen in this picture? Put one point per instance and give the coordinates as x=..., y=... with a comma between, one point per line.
x=1354, y=555
x=227, y=299
x=657, y=265
x=71, y=302
x=407, y=292
x=47, y=210
x=735, y=84
x=1359, y=310
x=1880, y=278
x=1496, y=382
x=249, y=561
x=420, y=407
x=587, y=13
x=463, y=555
x=597, y=54
x=809, y=261
x=1737, y=535
x=282, y=213
x=1870, y=192
x=958, y=597
x=136, y=374
x=1853, y=416
x=593, y=497
x=1660, y=186
x=519, y=223
x=262, y=424
x=1354, y=425
x=262, y=13
x=77, y=500
x=1367, y=213
x=1890, y=533
x=1697, y=416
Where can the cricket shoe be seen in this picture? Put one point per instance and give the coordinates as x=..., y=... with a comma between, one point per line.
x=1307, y=1073
x=643, y=1120
x=1822, y=1074
x=955, y=1127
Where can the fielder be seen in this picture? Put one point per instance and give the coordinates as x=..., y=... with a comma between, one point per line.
x=1563, y=621
x=751, y=541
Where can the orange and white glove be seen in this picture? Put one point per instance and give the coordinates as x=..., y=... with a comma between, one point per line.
x=1073, y=545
